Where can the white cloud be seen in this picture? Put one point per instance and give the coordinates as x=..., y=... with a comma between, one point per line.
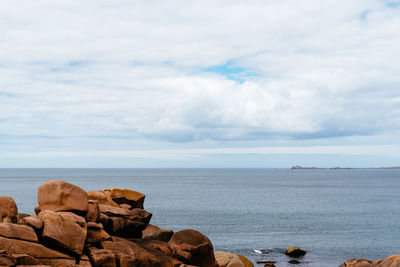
x=137, y=68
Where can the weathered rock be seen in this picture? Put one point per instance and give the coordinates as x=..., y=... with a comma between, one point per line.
x=113, y=211
x=126, y=196
x=62, y=196
x=102, y=198
x=32, y=221
x=125, y=260
x=152, y=232
x=153, y=244
x=125, y=206
x=25, y=259
x=64, y=230
x=392, y=261
x=94, y=226
x=20, y=216
x=360, y=262
x=102, y=257
x=95, y=236
x=6, y=261
x=245, y=260
x=295, y=252
x=17, y=231
x=58, y=262
x=38, y=251
x=226, y=259
x=37, y=209
x=143, y=256
x=130, y=225
x=103, y=219
x=193, y=247
x=8, y=210
x=93, y=214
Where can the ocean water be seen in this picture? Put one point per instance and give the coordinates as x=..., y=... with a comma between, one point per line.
x=333, y=214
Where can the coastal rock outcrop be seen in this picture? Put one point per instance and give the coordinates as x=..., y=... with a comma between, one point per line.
x=226, y=259
x=194, y=248
x=392, y=261
x=109, y=227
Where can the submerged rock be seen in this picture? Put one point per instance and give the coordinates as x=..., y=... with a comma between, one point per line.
x=295, y=252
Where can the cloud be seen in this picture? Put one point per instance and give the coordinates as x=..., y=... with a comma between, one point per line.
x=200, y=70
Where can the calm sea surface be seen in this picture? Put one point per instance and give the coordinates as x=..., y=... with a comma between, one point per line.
x=333, y=214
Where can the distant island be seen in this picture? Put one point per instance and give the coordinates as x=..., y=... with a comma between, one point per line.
x=298, y=167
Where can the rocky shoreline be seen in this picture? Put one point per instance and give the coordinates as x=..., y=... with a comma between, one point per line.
x=111, y=228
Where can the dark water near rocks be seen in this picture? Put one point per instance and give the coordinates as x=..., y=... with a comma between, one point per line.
x=333, y=214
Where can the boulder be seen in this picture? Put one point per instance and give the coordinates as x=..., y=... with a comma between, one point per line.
x=18, y=231
x=58, y=262
x=245, y=260
x=143, y=256
x=152, y=232
x=125, y=260
x=32, y=221
x=123, y=227
x=20, y=216
x=126, y=196
x=95, y=236
x=194, y=248
x=25, y=259
x=6, y=260
x=360, y=262
x=93, y=214
x=153, y=244
x=102, y=198
x=102, y=257
x=294, y=262
x=36, y=250
x=295, y=252
x=113, y=211
x=8, y=210
x=226, y=259
x=392, y=261
x=64, y=230
x=62, y=196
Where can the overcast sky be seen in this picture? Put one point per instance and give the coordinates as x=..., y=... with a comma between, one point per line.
x=199, y=83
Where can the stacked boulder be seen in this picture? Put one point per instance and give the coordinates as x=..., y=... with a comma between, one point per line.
x=107, y=228
x=392, y=261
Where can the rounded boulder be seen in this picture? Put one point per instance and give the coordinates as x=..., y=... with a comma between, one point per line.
x=8, y=210
x=194, y=248
x=62, y=196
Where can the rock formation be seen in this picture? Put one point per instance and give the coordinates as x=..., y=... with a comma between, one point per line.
x=107, y=228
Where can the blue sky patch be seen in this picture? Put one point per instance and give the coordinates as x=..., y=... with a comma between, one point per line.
x=231, y=71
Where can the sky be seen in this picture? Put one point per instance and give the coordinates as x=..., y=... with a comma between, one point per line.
x=195, y=84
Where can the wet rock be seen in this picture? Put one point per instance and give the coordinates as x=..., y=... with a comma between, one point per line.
x=226, y=259
x=32, y=221
x=17, y=231
x=152, y=232
x=295, y=252
x=8, y=210
x=294, y=262
x=102, y=198
x=126, y=196
x=62, y=196
x=194, y=248
x=64, y=230
x=93, y=214
x=270, y=264
x=246, y=261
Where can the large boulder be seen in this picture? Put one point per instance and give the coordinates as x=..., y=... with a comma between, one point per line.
x=226, y=259
x=103, y=198
x=152, y=232
x=8, y=210
x=143, y=256
x=93, y=214
x=194, y=248
x=17, y=231
x=295, y=252
x=64, y=230
x=62, y=196
x=126, y=196
x=36, y=250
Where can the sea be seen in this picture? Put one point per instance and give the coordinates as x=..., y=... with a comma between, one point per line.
x=334, y=215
